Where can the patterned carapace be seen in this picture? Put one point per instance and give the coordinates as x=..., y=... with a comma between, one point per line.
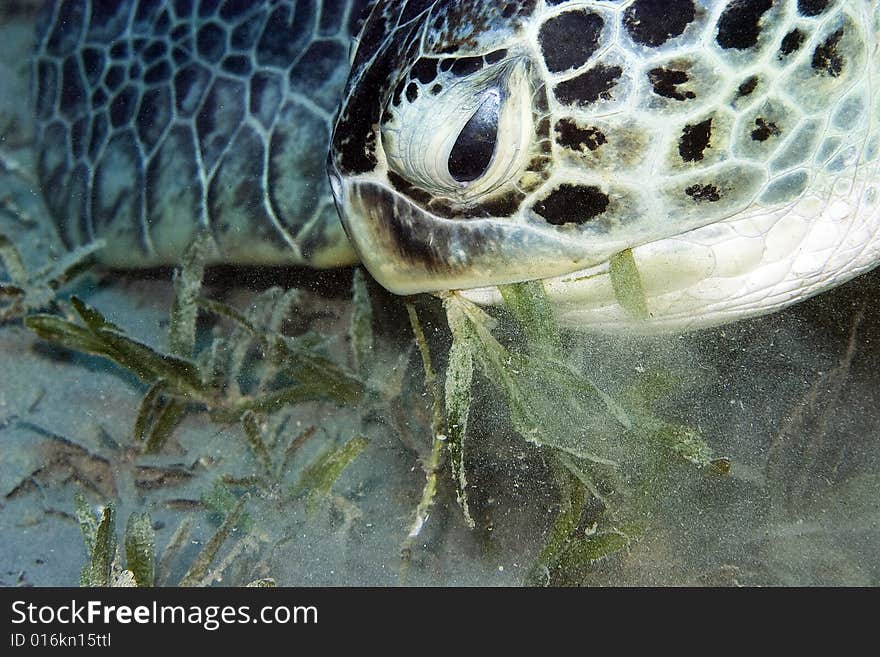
x=156, y=118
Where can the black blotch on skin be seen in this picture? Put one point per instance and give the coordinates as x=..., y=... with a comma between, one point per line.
x=503, y=206
x=495, y=56
x=412, y=92
x=665, y=83
x=538, y=164
x=694, y=140
x=405, y=187
x=654, y=22
x=424, y=70
x=397, y=96
x=590, y=86
x=572, y=136
x=569, y=39
x=701, y=193
x=424, y=244
x=354, y=139
x=542, y=129
x=572, y=204
x=765, y=130
x=812, y=7
x=740, y=24
x=747, y=87
x=466, y=66
x=826, y=58
x=791, y=42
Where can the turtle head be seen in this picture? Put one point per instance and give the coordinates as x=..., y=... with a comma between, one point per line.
x=443, y=132
x=491, y=142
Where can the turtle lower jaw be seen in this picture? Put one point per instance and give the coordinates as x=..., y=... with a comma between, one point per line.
x=409, y=250
x=732, y=270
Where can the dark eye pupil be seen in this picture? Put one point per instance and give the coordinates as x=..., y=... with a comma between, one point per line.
x=473, y=150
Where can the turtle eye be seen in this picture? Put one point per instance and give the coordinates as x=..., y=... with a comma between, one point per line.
x=460, y=138
x=472, y=152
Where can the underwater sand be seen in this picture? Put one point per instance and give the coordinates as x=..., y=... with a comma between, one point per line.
x=791, y=399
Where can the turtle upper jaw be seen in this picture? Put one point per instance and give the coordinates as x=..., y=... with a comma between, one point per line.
x=409, y=250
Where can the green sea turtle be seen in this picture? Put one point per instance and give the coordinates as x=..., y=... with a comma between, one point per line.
x=733, y=145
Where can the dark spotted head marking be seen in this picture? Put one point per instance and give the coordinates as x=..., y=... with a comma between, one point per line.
x=764, y=130
x=827, y=58
x=740, y=23
x=572, y=204
x=653, y=22
x=665, y=82
x=573, y=137
x=703, y=193
x=791, y=43
x=569, y=39
x=695, y=139
x=747, y=87
x=589, y=87
x=812, y=8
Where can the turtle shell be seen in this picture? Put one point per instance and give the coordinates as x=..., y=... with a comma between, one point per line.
x=158, y=119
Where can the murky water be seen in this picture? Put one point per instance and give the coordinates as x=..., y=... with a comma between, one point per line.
x=329, y=491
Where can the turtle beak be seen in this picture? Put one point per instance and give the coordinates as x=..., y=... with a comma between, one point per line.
x=410, y=250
